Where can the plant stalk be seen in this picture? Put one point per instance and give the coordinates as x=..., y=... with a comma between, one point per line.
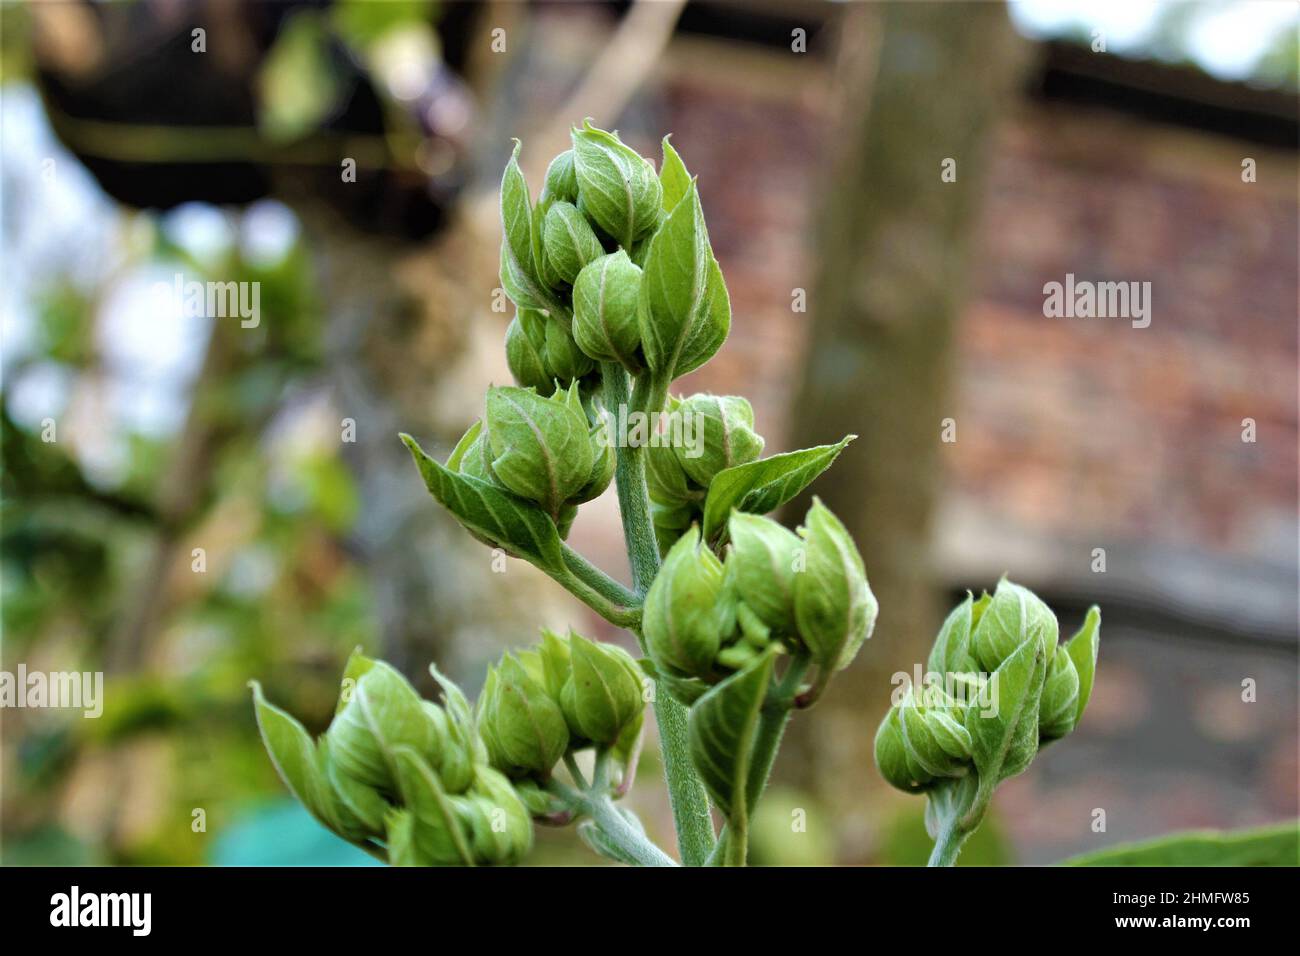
x=602, y=812
x=690, y=804
x=615, y=826
x=948, y=845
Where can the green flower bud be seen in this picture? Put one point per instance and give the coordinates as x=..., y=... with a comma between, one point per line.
x=665, y=479
x=555, y=657
x=685, y=615
x=959, y=739
x=540, y=351
x=1006, y=620
x=401, y=770
x=604, y=310
x=729, y=438
x=498, y=824
x=382, y=712
x=564, y=360
x=670, y=523
x=918, y=744
x=603, y=693
x=604, y=461
x=522, y=725
x=706, y=433
x=1059, y=704
x=617, y=189
x=762, y=567
x=937, y=742
x=834, y=607
x=541, y=447
x=561, y=184
x=568, y=243
x=891, y=753
x=526, y=349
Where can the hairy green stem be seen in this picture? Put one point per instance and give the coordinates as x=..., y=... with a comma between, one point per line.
x=948, y=845
x=616, y=613
x=690, y=804
x=629, y=479
x=616, y=827
x=598, y=580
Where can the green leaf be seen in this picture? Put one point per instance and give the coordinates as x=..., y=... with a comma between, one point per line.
x=721, y=729
x=492, y=514
x=399, y=828
x=299, y=762
x=519, y=275
x=684, y=312
x=1003, y=742
x=764, y=485
x=1082, y=649
x=1265, y=846
x=357, y=665
x=685, y=689
x=365, y=803
x=673, y=177
x=561, y=183
x=1059, y=707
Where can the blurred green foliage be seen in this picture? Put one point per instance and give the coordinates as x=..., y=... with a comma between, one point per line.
x=1277, y=845
x=280, y=594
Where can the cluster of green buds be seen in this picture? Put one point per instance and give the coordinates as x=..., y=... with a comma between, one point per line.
x=565, y=695
x=551, y=450
x=706, y=434
x=617, y=295
x=998, y=688
x=406, y=779
x=805, y=594
x=581, y=266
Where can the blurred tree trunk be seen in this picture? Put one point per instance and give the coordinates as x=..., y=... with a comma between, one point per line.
x=918, y=84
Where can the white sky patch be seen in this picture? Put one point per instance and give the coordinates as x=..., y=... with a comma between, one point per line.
x=267, y=233
x=1229, y=42
x=1225, y=39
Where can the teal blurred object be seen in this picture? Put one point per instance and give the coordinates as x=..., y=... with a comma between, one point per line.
x=284, y=834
